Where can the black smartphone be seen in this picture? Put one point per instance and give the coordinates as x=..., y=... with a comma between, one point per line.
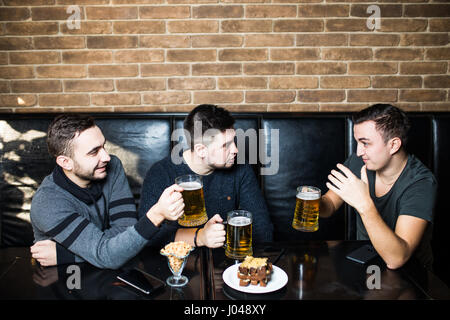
x=141, y=280
x=363, y=254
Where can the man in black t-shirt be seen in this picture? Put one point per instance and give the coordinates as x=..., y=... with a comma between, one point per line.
x=392, y=191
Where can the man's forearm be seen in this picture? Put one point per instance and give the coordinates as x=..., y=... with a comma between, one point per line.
x=392, y=249
x=326, y=207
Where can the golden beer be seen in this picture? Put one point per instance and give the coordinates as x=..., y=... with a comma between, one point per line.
x=306, y=214
x=239, y=234
x=194, y=201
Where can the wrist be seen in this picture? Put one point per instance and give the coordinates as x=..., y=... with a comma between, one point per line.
x=198, y=237
x=155, y=216
x=366, y=207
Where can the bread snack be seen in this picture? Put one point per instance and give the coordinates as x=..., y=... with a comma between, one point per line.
x=176, y=252
x=254, y=271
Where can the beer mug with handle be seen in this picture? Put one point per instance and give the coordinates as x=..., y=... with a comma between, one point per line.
x=306, y=214
x=194, y=200
x=239, y=234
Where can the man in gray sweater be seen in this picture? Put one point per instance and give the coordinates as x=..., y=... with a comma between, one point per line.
x=84, y=210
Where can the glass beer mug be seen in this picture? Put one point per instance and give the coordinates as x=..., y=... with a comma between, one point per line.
x=239, y=234
x=194, y=200
x=306, y=214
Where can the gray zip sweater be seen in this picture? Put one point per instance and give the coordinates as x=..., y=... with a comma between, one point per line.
x=97, y=224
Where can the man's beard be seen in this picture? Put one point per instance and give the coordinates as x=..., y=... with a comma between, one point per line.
x=85, y=175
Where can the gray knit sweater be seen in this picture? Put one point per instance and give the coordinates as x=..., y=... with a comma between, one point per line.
x=97, y=224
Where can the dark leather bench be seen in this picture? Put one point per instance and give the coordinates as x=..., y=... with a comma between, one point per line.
x=310, y=146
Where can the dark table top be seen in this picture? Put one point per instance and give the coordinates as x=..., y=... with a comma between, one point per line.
x=316, y=270
x=22, y=278
x=320, y=271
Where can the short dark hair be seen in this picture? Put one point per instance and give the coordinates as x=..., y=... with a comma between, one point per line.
x=63, y=129
x=211, y=117
x=390, y=121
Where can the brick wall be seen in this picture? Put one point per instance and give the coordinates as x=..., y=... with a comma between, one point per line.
x=246, y=55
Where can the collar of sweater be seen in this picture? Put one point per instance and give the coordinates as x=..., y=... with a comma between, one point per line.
x=87, y=195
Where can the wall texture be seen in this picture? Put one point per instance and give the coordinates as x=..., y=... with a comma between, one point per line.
x=246, y=55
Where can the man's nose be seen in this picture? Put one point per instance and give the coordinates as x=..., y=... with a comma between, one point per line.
x=104, y=157
x=359, y=150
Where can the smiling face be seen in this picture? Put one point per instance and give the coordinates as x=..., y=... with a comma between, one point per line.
x=89, y=155
x=375, y=152
x=222, y=151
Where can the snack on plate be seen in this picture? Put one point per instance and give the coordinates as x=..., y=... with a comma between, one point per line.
x=253, y=271
x=176, y=252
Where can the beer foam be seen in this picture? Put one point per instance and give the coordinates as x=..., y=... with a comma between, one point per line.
x=308, y=195
x=190, y=185
x=239, y=221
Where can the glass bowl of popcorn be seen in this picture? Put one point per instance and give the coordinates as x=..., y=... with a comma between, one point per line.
x=177, y=254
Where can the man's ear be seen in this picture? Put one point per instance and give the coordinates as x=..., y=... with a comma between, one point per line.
x=64, y=162
x=395, y=145
x=200, y=150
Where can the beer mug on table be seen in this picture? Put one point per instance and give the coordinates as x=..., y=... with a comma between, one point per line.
x=194, y=200
x=306, y=215
x=239, y=234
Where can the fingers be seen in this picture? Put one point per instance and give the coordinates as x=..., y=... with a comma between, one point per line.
x=346, y=170
x=336, y=182
x=216, y=219
x=174, y=188
x=364, y=174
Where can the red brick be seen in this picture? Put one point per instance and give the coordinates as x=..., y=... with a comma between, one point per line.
x=246, y=26
x=191, y=55
x=319, y=10
x=372, y=68
x=386, y=10
x=111, y=99
x=399, y=54
x=31, y=28
x=59, y=42
x=61, y=71
x=439, y=25
x=373, y=40
x=321, y=95
x=269, y=68
x=326, y=39
x=300, y=25
x=438, y=53
x=423, y=67
x=172, y=97
x=139, y=27
x=192, y=84
x=164, y=12
x=372, y=95
x=140, y=84
x=88, y=27
x=347, y=25
x=111, y=13
x=150, y=70
x=227, y=83
x=219, y=69
x=424, y=39
x=403, y=25
x=15, y=43
x=17, y=72
x=164, y=41
x=217, y=41
x=321, y=68
x=217, y=97
x=38, y=57
x=193, y=26
x=112, y=42
x=421, y=95
x=46, y=100
x=344, y=82
x=217, y=12
x=293, y=82
x=83, y=57
x=427, y=10
x=243, y=54
x=36, y=86
x=52, y=13
x=108, y=71
x=22, y=100
x=437, y=81
x=269, y=96
x=397, y=82
x=294, y=54
x=132, y=56
x=14, y=14
x=269, y=40
x=346, y=54
x=88, y=85
x=270, y=11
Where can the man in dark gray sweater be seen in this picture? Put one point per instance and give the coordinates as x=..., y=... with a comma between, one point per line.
x=227, y=186
x=84, y=210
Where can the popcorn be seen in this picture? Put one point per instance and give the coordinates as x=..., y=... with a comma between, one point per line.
x=176, y=252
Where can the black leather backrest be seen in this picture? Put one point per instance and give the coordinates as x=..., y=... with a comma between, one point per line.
x=309, y=147
x=440, y=241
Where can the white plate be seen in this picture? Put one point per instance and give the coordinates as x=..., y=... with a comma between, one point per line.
x=278, y=280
